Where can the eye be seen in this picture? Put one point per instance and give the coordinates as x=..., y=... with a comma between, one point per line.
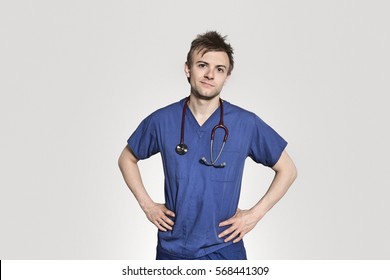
x=221, y=70
x=201, y=65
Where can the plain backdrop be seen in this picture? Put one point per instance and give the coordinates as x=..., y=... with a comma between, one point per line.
x=77, y=77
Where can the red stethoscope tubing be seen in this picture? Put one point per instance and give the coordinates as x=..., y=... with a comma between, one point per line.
x=182, y=148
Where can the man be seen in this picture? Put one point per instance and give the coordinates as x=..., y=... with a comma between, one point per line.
x=200, y=218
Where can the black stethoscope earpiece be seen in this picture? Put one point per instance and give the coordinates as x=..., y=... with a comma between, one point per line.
x=182, y=148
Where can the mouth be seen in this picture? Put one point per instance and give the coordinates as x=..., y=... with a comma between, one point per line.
x=206, y=84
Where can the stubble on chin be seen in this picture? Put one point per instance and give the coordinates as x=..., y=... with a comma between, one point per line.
x=206, y=97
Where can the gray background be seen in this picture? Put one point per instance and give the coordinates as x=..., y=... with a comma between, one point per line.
x=76, y=78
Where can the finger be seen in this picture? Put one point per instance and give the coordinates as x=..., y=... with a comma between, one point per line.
x=241, y=235
x=169, y=212
x=165, y=221
x=226, y=232
x=159, y=226
x=239, y=238
x=168, y=221
x=233, y=235
x=165, y=225
x=227, y=222
x=162, y=225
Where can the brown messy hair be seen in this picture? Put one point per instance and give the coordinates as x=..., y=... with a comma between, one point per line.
x=211, y=41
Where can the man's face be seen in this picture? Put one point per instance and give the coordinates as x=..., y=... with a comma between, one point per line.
x=208, y=74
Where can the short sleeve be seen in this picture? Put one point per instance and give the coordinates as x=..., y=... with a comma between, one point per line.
x=143, y=142
x=266, y=144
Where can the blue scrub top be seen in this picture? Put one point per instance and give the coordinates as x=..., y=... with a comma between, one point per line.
x=202, y=196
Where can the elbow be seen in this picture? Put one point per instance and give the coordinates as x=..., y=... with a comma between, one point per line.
x=293, y=173
x=121, y=161
x=286, y=169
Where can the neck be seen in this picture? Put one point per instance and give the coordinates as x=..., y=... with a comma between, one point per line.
x=202, y=109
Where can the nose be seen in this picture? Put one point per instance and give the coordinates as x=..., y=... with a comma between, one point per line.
x=209, y=74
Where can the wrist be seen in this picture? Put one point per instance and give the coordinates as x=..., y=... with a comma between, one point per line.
x=257, y=212
x=146, y=205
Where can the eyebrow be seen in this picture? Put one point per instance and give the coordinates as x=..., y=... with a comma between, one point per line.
x=204, y=62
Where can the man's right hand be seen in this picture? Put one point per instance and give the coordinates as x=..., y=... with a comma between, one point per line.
x=159, y=215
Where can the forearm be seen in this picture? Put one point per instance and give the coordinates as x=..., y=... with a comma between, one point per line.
x=285, y=174
x=245, y=220
x=278, y=188
x=131, y=174
x=157, y=213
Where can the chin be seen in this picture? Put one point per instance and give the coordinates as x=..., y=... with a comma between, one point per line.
x=205, y=96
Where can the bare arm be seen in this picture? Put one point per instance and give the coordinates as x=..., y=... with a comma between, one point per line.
x=245, y=220
x=157, y=213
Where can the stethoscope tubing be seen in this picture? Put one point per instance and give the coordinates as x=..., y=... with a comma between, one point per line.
x=183, y=119
x=182, y=148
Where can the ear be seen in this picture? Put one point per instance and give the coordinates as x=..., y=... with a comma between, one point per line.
x=186, y=70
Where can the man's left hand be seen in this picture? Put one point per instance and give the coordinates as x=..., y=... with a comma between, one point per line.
x=240, y=224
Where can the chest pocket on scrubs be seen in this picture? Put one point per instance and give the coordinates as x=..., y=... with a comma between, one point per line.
x=230, y=171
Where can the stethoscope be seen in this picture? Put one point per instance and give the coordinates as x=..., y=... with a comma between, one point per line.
x=182, y=148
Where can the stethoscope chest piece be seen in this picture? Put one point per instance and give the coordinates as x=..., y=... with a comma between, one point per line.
x=181, y=149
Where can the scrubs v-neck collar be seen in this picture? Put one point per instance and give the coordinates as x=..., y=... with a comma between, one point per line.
x=207, y=125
